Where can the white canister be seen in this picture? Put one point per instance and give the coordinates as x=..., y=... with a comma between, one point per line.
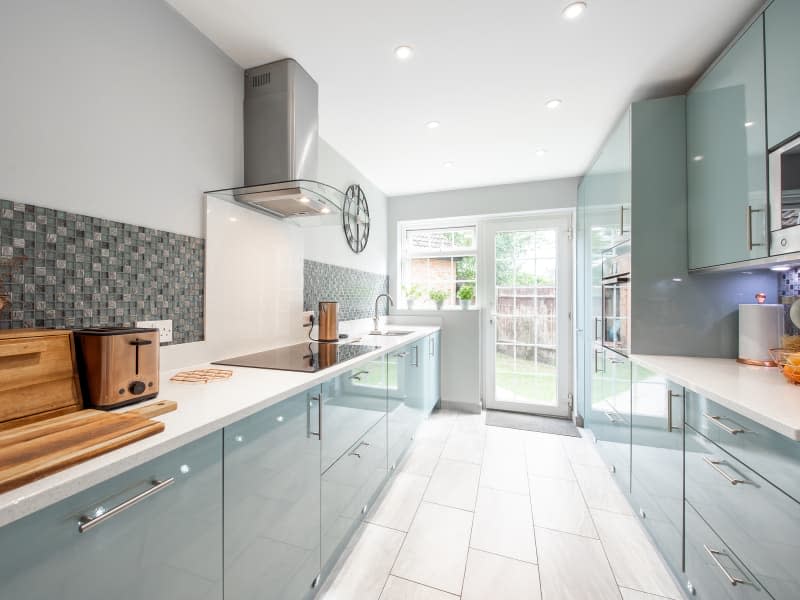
x=760, y=329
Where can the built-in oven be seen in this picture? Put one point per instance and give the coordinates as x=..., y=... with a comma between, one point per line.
x=784, y=198
x=616, y=298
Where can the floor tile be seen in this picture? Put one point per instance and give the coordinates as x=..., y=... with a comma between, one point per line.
x=581, y=451
x=545, y=456
x=465, y=446
x=572, y=567
x=503, y=525
x=634, y=560
x=402, y=589
x=437, y=429
x=628, y=594
x=363, y=574
x=435, y=550
x=455, y=484
x=600, y=490
x=397, y=505
x=422, y=457
x=504, y=469
x=559, y=504
x=493, y=576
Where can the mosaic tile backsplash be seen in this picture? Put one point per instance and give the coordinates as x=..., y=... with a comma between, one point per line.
x=354, y=290
x=789, y=285
x=59, y=269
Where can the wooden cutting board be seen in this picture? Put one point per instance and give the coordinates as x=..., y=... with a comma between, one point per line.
x=30, y=452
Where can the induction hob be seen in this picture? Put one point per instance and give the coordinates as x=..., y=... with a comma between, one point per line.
x=308, y=357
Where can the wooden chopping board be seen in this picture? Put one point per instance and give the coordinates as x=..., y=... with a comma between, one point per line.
x=30, y=452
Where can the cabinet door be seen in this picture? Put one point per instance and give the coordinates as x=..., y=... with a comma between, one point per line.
x=610, y=413
x=168, y=546
x=657, y=460
x=405, y=399
x=430, y=357
x=352, y=403
x=349, y=486
x=727, y=163
x=272, y=501
x=781, y=21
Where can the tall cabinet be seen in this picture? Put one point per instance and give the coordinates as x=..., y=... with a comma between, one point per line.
x=781, y=20
x=727, y=162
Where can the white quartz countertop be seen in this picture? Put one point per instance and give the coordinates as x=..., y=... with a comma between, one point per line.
x=202, y=409
x=759, y=393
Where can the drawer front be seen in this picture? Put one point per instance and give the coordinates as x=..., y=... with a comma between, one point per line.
x=348, y=489
x=770, y=454
x=757, y=521
x=713, y=572
x=168, y=545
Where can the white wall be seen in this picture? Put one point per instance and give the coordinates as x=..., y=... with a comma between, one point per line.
x=327, y=244
x=116, y=109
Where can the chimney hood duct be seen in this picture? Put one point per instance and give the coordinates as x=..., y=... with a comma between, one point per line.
x=281, y=130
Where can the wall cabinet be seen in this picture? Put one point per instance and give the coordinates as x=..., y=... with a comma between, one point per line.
x=272, y=501
x=727, y=162
x=657, y=460
x=168, y=546
x=781, y=20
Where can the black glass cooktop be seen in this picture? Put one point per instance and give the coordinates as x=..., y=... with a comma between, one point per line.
x=308, y=357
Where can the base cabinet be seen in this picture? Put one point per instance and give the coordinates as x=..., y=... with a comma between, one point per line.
x=166, y=547
x=657, y=460
x=272, y=501
x=406, y=398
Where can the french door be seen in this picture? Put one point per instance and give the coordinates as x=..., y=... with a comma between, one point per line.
x=527, y=345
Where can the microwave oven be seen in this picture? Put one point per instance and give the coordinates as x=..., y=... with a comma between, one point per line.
x=784, y=198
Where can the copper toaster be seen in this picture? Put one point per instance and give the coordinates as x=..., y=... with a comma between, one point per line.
x=117, y=365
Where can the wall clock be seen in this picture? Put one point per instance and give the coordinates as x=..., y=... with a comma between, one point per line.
x=355, y=218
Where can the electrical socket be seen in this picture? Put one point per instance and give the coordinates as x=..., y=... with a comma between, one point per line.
x=308, y=316
x=164, y=328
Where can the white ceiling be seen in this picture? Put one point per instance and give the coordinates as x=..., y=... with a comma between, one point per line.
x=484, y=69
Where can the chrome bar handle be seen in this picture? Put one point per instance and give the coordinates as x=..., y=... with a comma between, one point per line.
x=750, y=211
x=621, y=220
x=401, y=354
x=357, y=454
x=317, y=434
x=87, y=523
x=714, y=554
x=670, y=396
x=615, y=361
x=716, y=465
x=598, y=330
x=416, y=356
x=717, y=420
x=611, y=418
x=431, y=347
x=357, y=375
x=596, y=353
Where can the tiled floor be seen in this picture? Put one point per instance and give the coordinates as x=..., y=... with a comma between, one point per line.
x=482, y=512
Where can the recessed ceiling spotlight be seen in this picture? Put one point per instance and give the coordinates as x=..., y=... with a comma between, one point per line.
x=404, y=52
x=432, y=124
x=749, y=123
x=232, y=219
x=697, y=158
x=780, y=268
x=449, y=164
x=324, y=210
x=573, y=10
x=541, y=152
x=304, y=200
x=554, y=103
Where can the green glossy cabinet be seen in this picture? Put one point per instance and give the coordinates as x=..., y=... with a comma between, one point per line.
x=431, y=356
x=272, y=501
x=781, y=23
x=657, y=460
x=407, y=398
x=726, y=158
x=168, y=546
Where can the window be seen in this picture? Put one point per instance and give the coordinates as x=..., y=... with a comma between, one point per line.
x=437, y=261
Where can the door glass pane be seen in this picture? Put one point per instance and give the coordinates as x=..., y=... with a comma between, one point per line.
x=526, y=306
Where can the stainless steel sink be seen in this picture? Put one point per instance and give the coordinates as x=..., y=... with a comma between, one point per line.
x=391, y=332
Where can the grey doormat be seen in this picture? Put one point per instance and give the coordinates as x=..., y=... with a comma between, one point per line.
x=500, y=418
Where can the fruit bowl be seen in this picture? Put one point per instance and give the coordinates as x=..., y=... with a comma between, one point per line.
x=788, y=362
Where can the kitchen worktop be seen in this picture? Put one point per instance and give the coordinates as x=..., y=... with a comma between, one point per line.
x=758, y=393
x=202, y=409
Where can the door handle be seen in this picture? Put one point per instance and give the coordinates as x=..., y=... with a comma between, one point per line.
x=717, y=420
x=357, y=375
x=431, y=350
x=598, y=328
x=596, y=353
x=87, y=523
x=670, y=396
x=750, y=210
x=317, y=434
x=717, y=466
x=357, y=454
x=716, y=553
x=415, y=363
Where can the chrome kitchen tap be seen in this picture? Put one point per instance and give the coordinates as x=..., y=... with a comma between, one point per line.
x=376, y=319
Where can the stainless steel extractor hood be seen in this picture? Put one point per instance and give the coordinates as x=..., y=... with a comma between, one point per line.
x=281, y=126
